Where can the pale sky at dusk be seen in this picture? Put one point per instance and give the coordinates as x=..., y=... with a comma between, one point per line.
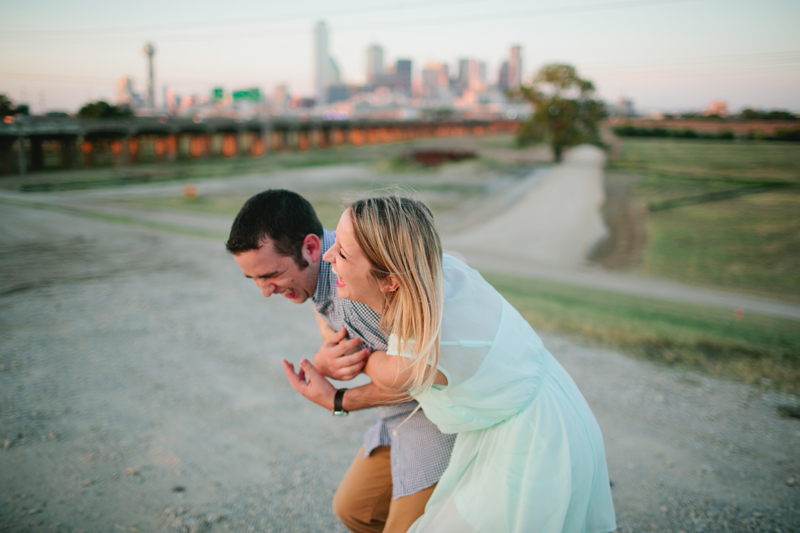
x=664, y=54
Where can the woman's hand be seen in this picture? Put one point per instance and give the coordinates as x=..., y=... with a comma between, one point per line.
x=317, y=389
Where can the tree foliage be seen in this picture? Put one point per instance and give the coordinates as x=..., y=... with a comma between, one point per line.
x=7, y=107
x=565, y=114
x=102, y=109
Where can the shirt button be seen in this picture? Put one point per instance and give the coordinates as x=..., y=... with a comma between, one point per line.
x=394, y=432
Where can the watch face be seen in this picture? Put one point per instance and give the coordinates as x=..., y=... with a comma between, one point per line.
x=340, y=413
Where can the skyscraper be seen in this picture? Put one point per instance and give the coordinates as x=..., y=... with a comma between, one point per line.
x=321, y=63
x=502, y=77
x=374, y=62
x=515, y=68
x=402, y=70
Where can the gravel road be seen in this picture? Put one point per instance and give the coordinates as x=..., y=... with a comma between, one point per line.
x=141, y=390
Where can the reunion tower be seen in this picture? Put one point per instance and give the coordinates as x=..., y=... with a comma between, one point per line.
x=150, y=51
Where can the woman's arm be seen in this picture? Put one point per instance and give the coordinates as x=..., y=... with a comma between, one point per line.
x=391, y=372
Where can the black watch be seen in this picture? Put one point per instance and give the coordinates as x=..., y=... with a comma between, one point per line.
x=338, y=410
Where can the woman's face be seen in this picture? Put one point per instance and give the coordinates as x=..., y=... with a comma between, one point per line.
x=354, y=272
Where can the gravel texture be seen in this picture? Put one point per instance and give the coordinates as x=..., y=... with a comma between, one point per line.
x=141, y=390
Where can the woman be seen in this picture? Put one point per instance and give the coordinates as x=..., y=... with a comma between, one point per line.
x=529, y=454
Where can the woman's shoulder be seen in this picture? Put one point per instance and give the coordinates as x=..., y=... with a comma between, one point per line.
x=472, y=307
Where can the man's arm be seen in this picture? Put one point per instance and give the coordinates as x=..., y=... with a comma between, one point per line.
x=370, y=395
x=311, y=384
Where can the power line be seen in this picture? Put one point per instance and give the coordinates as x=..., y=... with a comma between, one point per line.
x=235, y=21
x=530, y=13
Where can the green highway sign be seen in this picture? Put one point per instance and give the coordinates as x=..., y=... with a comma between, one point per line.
x=252, y=94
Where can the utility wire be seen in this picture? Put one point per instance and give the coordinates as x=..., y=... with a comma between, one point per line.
x=265, y=33
x=236, y=21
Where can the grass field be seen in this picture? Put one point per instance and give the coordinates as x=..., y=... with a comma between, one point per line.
x=754, y=349
x=721, y=213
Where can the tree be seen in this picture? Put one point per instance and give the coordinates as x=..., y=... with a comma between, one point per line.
x=7, y=107
x=102, y=109
x=565, y=114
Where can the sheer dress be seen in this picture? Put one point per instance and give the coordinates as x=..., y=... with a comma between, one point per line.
x=529, y=453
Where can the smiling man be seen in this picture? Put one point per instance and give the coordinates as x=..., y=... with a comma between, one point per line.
x=278, y=241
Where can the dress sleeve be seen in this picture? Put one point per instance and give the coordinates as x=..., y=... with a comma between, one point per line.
x=393, y=347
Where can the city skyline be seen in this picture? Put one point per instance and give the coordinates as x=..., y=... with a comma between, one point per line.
x=663, y=54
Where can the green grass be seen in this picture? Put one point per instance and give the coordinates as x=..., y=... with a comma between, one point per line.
x=737, y=160
x=685, y=336
x=724, y=214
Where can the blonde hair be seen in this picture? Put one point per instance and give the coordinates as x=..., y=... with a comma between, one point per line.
x=398, y=237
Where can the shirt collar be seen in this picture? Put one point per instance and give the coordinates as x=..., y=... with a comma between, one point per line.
x=322, y=291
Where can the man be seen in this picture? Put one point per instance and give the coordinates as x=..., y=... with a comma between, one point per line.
x=278, y=241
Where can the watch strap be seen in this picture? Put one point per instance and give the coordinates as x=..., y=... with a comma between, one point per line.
x=337, y=402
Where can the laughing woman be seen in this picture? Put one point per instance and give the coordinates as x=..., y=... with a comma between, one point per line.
x=529, y=454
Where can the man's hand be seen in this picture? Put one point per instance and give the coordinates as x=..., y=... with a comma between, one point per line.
x=317, y=389
x=339, y=358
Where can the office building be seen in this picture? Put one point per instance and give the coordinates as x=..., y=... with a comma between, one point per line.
x=322, y=65
x=502, y=77
x=374, y=62
x=515, y=68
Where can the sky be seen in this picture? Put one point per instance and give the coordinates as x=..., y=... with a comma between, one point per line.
x=666, y=55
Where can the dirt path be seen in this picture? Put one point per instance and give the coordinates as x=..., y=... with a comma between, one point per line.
x=551, y=229
x=141, y=390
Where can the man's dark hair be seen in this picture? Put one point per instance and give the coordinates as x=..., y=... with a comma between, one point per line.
x=284, y=217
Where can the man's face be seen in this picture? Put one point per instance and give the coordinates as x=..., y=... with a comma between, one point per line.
x=278, y=274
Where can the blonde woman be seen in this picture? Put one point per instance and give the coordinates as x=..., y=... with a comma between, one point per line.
x=529, y=454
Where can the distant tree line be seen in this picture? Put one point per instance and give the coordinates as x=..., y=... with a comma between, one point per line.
x=102, y=109
x=753, y=114
x=790, y=135
x=746, y=114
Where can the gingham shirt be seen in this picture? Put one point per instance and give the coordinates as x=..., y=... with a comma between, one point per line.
x=419, y=452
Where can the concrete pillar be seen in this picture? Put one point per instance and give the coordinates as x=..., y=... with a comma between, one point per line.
x=22, y=159
x=265, y=133
x=290, y=139
x=6, y=154
x=324, y=138
x=37, y=153
x=68, y=152
x=276, y=141
x=303, y=140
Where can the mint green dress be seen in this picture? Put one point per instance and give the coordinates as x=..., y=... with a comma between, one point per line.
x=529, y=454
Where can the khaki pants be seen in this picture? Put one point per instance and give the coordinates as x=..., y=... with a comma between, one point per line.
x=364, y=501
